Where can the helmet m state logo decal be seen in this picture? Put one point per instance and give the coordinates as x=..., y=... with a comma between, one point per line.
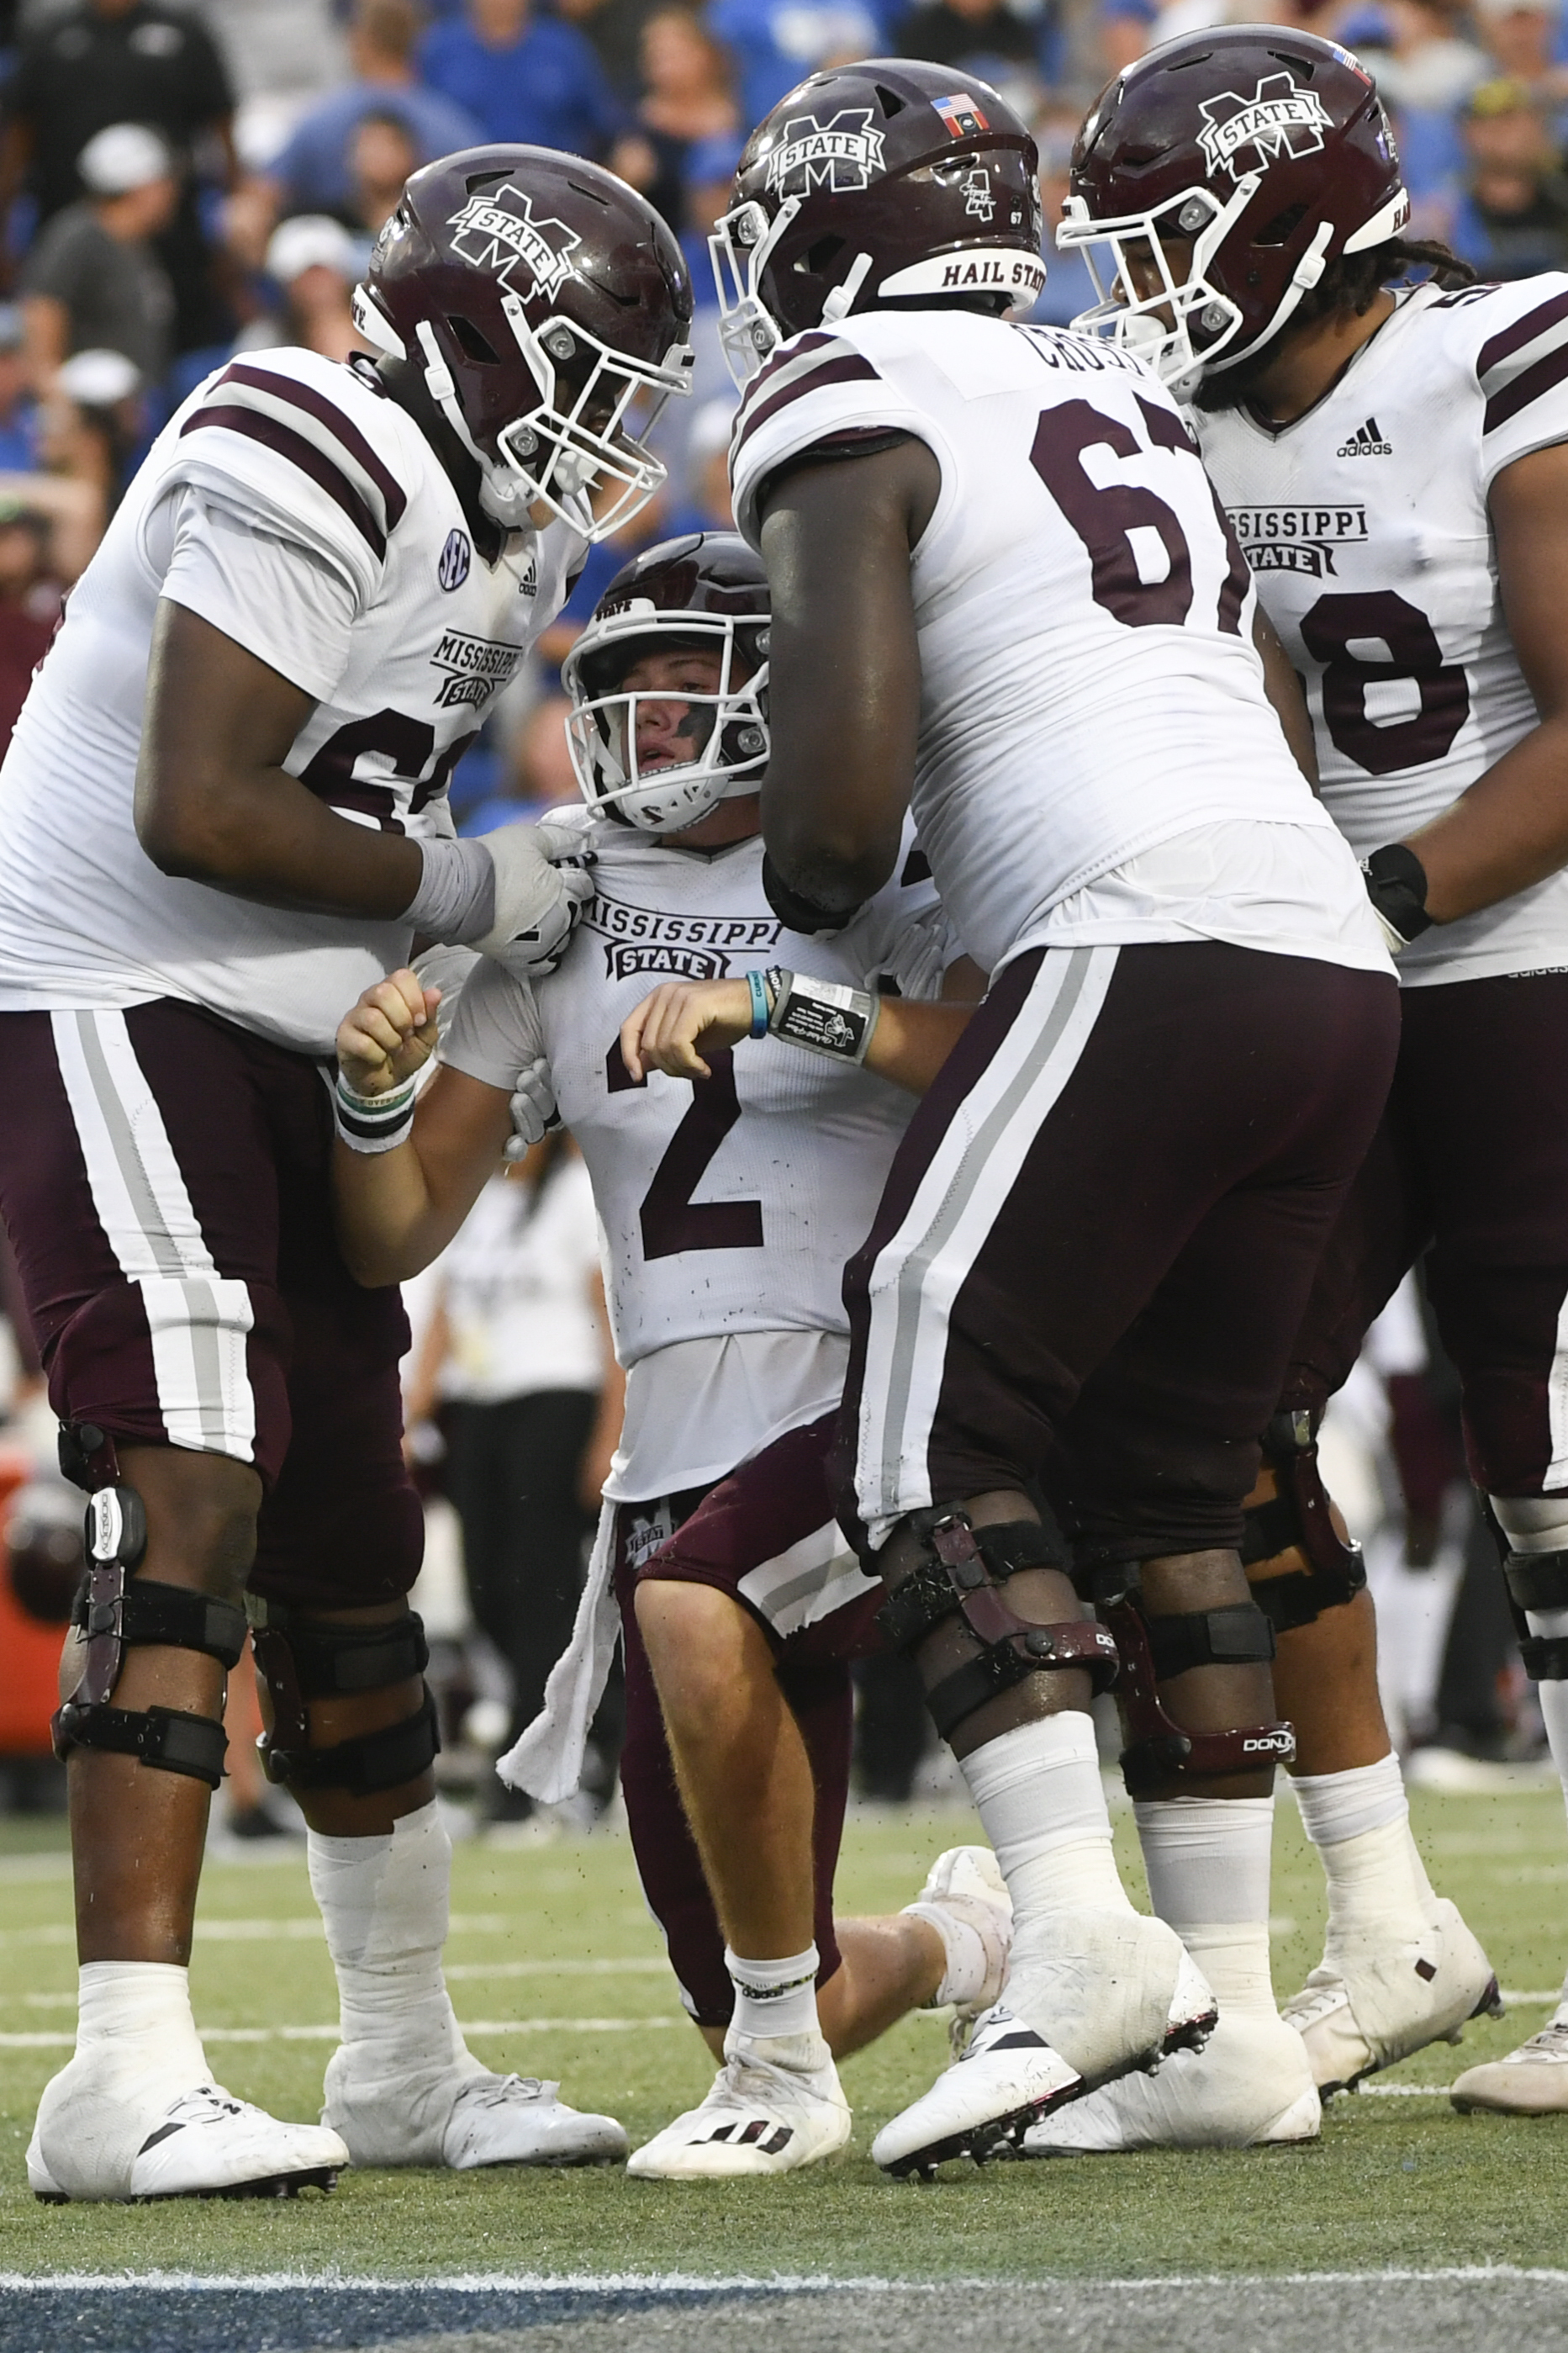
x=840, y=156
x=498, y=230
x=1282, y=121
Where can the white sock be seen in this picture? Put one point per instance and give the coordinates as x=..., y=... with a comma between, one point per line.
x=1359, y=1821
x=133, y=2018
x=1038, y=1793
x=1207, y=1860
x=384, y=1901
x=774, y=1998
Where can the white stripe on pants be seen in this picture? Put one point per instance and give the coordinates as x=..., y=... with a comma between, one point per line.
x=196, y=1319
x=918, y=1273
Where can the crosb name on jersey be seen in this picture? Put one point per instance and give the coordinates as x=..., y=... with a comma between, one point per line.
x=1381, y=576
x=1090, y=688
x=299, y=511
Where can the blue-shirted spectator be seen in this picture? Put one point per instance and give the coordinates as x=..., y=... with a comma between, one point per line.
x=313, y=172
x=1512, y=219
x=19, y=422
x=523, y=77
x=776, y=43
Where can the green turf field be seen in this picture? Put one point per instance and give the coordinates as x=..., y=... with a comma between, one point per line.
x=556, y=1967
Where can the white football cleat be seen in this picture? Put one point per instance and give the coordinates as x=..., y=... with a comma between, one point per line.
x=459, y=2115
x=981, y=2106
x=964, y=1889
x=203, y=2144
x=776, y=2104
x=1530, y=2082
x=518, y=2120
x=1120, y=1994
x=1250, y=2084
x=1366, y=2006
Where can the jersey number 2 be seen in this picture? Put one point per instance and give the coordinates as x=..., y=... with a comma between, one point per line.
x=672, y=1220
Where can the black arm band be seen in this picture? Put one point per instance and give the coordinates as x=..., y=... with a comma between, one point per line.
x=795, y=912
x=1397, y=885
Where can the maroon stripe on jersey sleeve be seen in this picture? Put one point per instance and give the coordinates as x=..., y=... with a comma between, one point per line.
x=1526, y=388
x=850, y=369
x=787, y=356
x=1523, y=331
x=314, y=404
x=301, y=453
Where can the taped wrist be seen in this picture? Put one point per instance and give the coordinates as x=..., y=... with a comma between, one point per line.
x=961, y=1577
x=824, y=1016
x=373, y=1123
x=1539, y=1581
x=1152, y=1650
x=1299, y=1516
x=456, y=901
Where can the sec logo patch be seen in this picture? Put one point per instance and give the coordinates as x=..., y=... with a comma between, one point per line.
x=456, y=558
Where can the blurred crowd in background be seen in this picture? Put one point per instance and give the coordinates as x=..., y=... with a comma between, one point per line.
x=181, y=180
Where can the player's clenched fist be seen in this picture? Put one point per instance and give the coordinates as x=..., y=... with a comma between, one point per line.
x=388, y=1036
x=671, y=1029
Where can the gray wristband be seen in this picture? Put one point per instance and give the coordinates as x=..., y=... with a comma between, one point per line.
x=822, y=1016
x=456, y=901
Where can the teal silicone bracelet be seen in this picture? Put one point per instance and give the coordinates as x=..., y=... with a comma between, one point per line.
x=759, y=1003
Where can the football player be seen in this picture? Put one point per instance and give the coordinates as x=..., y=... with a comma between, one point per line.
x=1005, y=597
x=1394, y=459
x=734, y=1174
x=225, y=811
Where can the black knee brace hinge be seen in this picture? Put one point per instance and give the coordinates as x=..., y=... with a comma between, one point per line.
x=1299, y=1516
x=303, y=1659
x=113, y=1610
x=1153, y=1649
x=1538, y=1580
x=959, y=1578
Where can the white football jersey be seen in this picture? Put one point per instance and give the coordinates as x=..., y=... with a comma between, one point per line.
x=728, y=1206
x=1089, y=683
x=298, y=509
x=1366, y=525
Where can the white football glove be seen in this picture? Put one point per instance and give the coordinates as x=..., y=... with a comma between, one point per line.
x=534, y=1111
x=537, y=904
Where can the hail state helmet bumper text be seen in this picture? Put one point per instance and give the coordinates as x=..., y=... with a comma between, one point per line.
x=886, y=181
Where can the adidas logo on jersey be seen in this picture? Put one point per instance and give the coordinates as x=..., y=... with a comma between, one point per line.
x=1366, y=441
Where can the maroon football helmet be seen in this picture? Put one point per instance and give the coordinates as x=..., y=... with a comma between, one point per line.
x=708, y=590
x=1266, y=151
x=880, y=182
x=551, y=308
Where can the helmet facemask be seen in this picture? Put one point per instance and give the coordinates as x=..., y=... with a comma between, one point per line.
x=740, y=248
x=1188, y=326
x=726, y=726
x=574, y=453
x=1158, y=327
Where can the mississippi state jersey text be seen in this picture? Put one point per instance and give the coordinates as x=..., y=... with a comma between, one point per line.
x=1090, y=686
x=1366, y=522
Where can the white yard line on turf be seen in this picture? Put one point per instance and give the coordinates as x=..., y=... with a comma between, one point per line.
x=813, y=2283
x=57, y=2039
x=306, y=1926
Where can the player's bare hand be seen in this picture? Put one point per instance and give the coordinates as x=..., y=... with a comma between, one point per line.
x=389, y=1035
x=682, y=1021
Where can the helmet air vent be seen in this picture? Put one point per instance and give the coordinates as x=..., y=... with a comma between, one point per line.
x=472, y=345
x=1283, y=226
x=890, y=100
